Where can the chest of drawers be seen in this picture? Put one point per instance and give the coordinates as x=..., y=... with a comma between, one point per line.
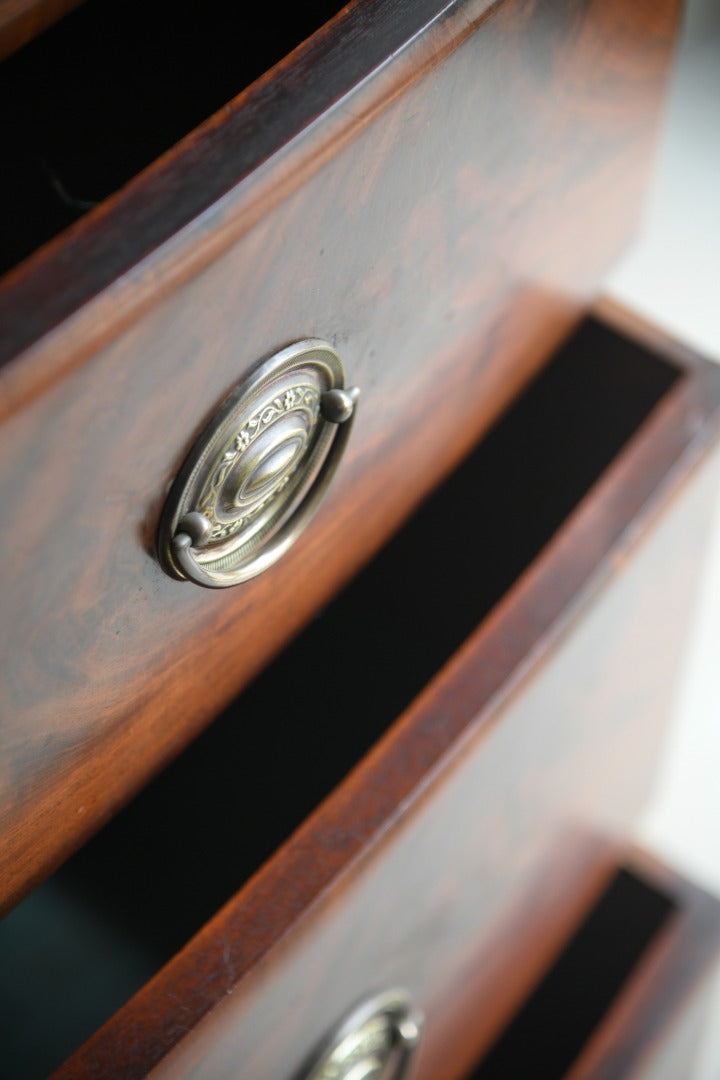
x=436, y=190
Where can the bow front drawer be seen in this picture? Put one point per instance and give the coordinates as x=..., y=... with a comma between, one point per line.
x=434, y=190
x=398, y=824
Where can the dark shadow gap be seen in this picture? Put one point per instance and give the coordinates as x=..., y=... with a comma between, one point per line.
x=96, y=98
x=549, y=1031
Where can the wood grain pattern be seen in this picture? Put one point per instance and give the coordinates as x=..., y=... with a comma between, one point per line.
x=22, y=20
x=603, y=98
x=128, y=230
x=456, y=855
x=443, y=235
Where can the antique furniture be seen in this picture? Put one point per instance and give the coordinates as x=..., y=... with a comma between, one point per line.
x=457, y=745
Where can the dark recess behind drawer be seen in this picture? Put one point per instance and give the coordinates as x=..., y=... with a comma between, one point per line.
x=98, y=97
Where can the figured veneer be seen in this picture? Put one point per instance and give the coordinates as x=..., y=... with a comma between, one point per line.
x=375, y=189
x=456, y=853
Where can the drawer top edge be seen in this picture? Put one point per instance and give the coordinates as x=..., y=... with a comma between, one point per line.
x=174, y=216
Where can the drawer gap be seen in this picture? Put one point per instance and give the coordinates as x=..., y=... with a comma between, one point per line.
x=96, y=98
x=124, y=904
x=549, y=1031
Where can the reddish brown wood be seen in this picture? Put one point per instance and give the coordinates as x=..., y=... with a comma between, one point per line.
x=22, y=20
x=455, y=858
x=330, y=70
x=442, y=234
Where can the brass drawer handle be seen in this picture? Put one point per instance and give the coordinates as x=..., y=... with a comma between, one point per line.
x=376, y=1041
x=256, y=475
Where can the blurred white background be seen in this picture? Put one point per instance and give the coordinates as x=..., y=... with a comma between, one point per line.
x=672, y=276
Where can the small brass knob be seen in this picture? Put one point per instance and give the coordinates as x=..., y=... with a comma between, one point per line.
x=256, y=475
x=376, y=1041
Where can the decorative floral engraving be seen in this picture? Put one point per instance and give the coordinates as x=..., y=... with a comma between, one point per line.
x=303, y=397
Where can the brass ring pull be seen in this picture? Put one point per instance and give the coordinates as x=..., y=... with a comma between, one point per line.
x=257, y=473
x=376, y=1041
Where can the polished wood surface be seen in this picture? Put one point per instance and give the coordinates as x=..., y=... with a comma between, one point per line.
x=459, y=853
x=443, y=235
x=597, y=75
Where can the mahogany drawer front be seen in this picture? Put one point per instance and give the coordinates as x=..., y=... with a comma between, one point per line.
x=441, y=234
x=456, y=856
x=454, y=859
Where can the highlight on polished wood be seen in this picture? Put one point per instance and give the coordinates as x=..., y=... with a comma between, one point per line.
x=456, y=850
x=388, y=781
x=442, y=236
